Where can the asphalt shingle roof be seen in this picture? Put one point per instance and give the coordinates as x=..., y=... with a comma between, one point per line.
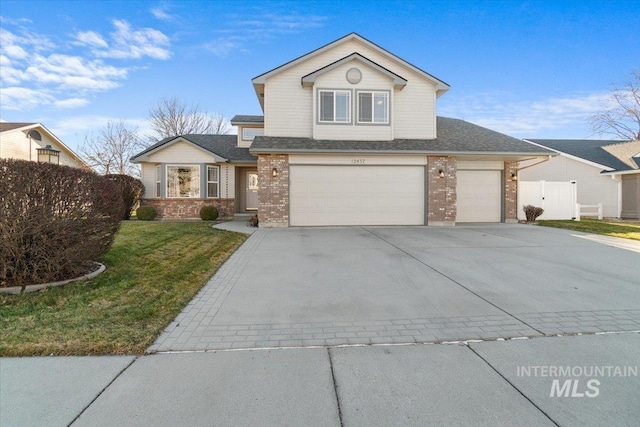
x=454, y=136
x=588, y=149
x=6, y=126
x=240, y=118
x=222, y=145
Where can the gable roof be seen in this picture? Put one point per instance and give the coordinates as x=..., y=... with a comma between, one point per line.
x=240, y=119
x=259, y=81
x=24, y=126
x=627, y=152
x=7, y=126
x=223, y=146
x=590, y=150
x=398, y=81
x=455, y=136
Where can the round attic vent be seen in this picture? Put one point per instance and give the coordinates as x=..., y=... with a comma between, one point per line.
x=35, y=135
x=354, y=76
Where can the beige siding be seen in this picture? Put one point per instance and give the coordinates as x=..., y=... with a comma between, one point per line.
x=288, y=106
x=371, y=80
x=593, y=188
x=181, y=152
x=245, y=143
x=356, y=159
x=631, y=196
x=15, y=145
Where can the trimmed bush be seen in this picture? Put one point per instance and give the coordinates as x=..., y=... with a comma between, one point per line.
x=131, y=189
x=54, y=220
x=208, y=213
x=146, y=213
x=532, y=212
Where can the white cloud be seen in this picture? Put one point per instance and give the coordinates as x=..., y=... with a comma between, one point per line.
x=526, y=118
x=21, y=98
x=161, y=12
x=128, y=43
x=90, y=38
x=71, y=103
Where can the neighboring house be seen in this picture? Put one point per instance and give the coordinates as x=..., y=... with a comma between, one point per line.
x=607, y=172
x=33, y=141
x=349, y=137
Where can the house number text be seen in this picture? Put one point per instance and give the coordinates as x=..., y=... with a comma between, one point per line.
x=357, y=161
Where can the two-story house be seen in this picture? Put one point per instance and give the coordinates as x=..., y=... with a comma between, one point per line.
x=33, y=141
x=349, y=136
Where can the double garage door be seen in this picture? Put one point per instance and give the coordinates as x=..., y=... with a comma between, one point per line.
x=383, y=195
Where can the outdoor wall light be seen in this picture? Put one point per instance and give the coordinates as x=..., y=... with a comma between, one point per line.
x=440, y=173
x=274, y=172
x=48, y=154
x=514, y=177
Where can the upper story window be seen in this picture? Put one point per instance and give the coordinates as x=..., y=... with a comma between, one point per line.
x=183, y=181
x=334, y=106
x=249, y=133
x=373, y=107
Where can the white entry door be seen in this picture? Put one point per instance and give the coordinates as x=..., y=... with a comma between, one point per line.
x=356, y=195
x=479, y=196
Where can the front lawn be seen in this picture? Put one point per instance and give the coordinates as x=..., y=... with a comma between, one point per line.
x=153, y=270
x=626, y=230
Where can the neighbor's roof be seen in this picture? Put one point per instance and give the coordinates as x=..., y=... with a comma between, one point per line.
x=240, y=119
x=455, y=136
x=588, y=149
x=221, y=145
x=7, y=126
x=627, y=152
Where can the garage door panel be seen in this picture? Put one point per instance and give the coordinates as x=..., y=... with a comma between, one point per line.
x=356, y=195
x=479, y=196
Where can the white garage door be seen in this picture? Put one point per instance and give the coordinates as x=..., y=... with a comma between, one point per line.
x=479, y=196
x=356, y=195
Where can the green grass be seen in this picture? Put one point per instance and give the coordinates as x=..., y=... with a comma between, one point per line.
x=626, y=230
x=153, y=270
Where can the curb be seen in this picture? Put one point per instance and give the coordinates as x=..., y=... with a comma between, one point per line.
x=33, y=288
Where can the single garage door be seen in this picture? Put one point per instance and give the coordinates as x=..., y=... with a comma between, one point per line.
x=479, y=196
x=356, y=195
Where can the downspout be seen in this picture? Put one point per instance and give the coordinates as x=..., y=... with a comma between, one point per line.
x=618, y=179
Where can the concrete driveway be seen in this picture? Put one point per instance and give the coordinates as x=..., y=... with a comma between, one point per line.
x=372, y=285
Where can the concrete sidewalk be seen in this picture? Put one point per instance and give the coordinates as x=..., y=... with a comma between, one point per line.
x=425, y=384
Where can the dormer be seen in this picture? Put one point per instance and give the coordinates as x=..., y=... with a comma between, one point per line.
x=248, y=128
x=350, y=89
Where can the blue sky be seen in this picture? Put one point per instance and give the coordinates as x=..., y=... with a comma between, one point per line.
x=526, y=68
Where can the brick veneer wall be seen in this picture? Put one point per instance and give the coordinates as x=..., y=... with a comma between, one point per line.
x=189, y=208
x=510, y=192
x=273, y=196
x=441, y=199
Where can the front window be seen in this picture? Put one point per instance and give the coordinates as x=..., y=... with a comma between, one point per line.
x=373, y=107
x=212, y=181
x=334, y=106
x=249, y=133
x=183, y=181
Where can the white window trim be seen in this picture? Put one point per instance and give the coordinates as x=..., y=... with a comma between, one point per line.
x=244, y=138
x=373, y=94
x=166, y=174
x=213, y=182
x=158, y=181
x=349, y=106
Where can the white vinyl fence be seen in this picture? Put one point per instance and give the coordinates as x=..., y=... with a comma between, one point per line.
x=558, y=199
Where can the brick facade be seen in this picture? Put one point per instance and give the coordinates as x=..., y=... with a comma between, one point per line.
x=189, y=208
x=273, y=197
x=441, y=199
x=510, y=192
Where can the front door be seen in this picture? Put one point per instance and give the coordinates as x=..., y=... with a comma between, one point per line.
x=251, y=189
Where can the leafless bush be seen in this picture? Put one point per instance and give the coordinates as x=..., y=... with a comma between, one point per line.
x=54, y=220
x=532, y=212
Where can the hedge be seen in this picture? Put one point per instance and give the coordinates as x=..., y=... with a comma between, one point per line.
x=131, y=189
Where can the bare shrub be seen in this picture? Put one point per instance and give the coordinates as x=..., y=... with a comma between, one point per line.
x=532, y=212
x=131, y=190
x=54, y=220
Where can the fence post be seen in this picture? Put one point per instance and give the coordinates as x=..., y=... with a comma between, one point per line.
x=577, y=211
x=600, y=211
